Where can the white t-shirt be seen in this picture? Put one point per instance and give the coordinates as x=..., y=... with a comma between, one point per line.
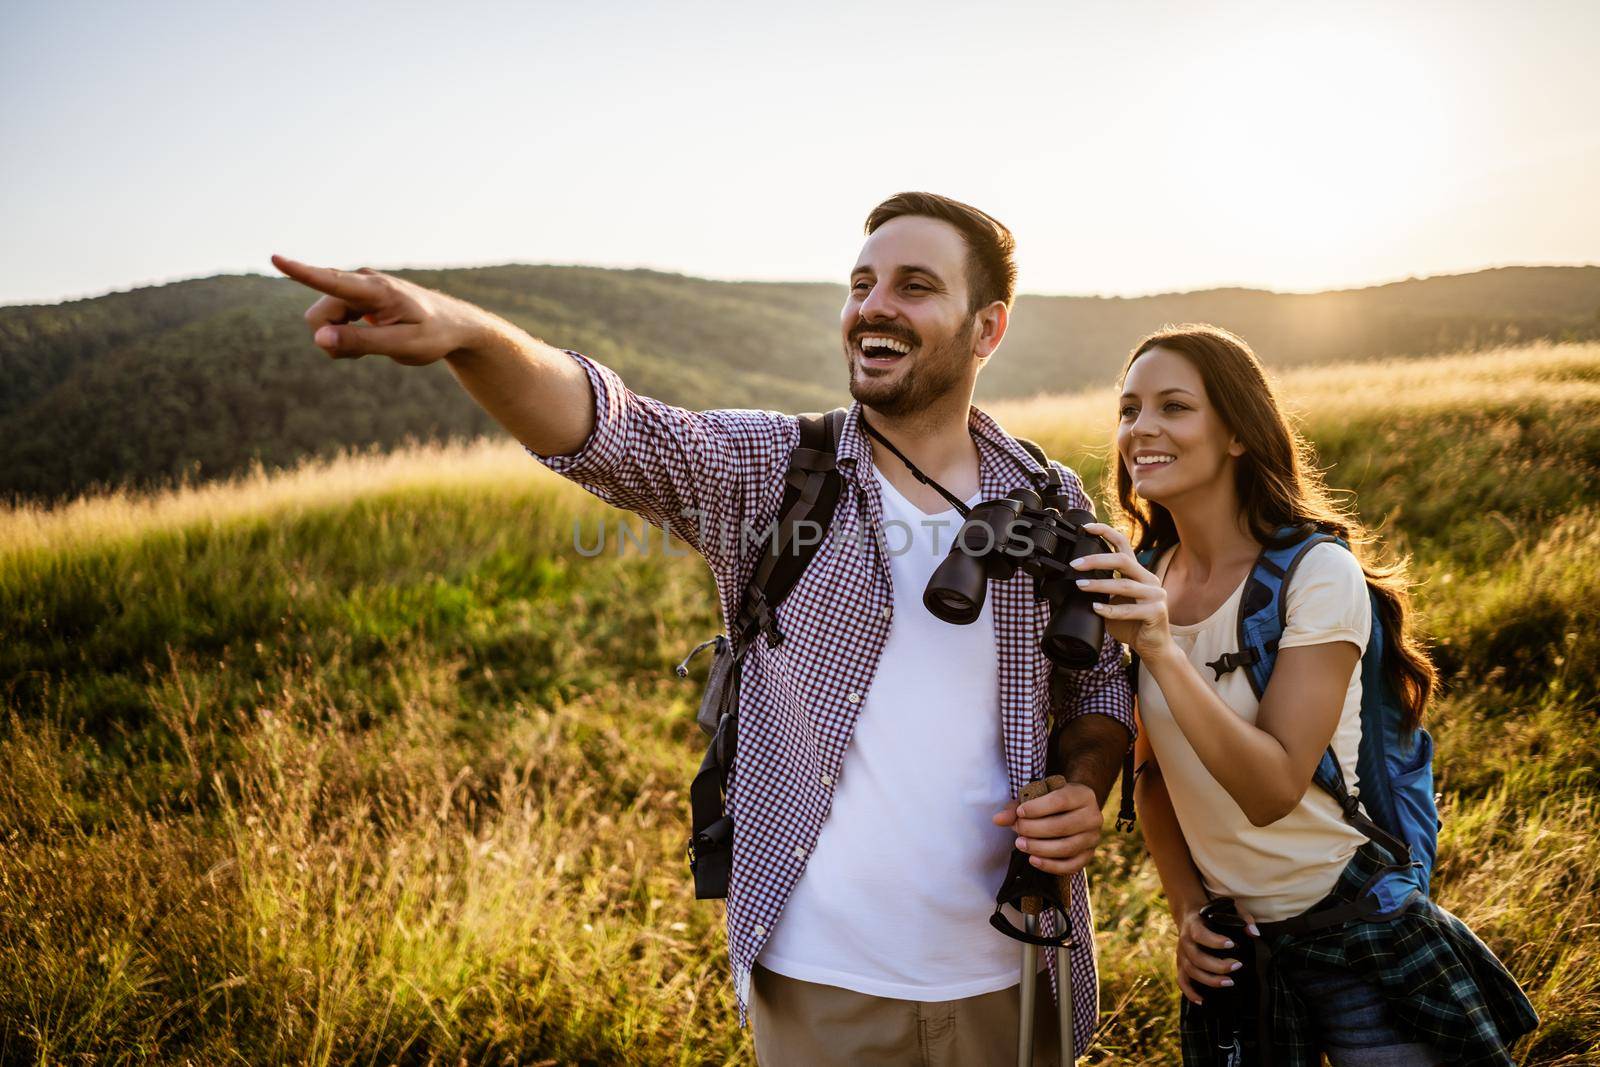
x=896, y=897
x=1283, y=868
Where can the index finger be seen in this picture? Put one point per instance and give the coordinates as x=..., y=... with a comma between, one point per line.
x=1204, y=935
x=343, y=284
x=1069, y=797
x=1125, y=563
x=1118, y=539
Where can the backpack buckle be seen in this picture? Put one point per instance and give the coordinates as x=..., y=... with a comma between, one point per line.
x=1230, y=661
x=758, y=617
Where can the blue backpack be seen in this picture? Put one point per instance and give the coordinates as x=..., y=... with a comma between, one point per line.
x=1395, y=769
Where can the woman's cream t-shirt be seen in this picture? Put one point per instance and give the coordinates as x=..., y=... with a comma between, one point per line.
x=1281, y=869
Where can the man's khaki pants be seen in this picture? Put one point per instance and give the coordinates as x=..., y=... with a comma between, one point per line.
x=804, y=1024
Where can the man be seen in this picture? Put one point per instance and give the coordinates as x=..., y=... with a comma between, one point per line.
x=870, y=737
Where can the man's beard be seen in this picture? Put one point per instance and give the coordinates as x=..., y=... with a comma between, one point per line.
x=934, y=372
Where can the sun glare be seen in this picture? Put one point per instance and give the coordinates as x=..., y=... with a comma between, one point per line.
x=1303, y=153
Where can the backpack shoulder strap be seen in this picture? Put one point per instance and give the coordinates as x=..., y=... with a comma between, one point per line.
x=1263, y=608
x=1033, y=449
x=811, y=491
x=1263, y=615
x=1053, y=479
x=1126, y=816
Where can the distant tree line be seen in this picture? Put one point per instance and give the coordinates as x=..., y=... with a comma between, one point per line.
x=199, y=378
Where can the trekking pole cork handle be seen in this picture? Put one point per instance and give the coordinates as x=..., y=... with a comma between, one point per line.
x=1033, y=791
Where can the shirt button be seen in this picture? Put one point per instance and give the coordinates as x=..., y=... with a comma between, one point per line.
x=799, y=853
x=826, y=779
x=886, y=611
x=854, y=698
x=761, y=931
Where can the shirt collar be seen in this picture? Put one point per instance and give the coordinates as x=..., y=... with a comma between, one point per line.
x=1001, y=461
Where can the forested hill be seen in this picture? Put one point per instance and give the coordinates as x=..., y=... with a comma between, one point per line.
x=137, y=388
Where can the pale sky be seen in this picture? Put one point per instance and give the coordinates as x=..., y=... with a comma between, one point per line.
x=1132, y=147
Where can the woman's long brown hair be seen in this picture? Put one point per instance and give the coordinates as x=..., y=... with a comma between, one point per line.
x=1279, y=485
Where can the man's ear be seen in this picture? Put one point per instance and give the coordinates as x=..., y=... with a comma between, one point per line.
x=992, y=322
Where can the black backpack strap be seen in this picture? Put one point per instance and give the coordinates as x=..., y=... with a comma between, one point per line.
x=1126, y=817
x=1054, y=480
x=1350, y=807
x=810, y=495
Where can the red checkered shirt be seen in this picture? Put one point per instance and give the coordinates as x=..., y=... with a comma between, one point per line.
x=709, y=476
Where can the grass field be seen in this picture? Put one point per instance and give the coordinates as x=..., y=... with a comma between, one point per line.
x=362, y=763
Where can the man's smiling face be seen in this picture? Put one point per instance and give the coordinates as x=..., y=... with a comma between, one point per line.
x=908, y=330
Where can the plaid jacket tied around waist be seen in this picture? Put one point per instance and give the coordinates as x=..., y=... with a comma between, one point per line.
x=1442, y=985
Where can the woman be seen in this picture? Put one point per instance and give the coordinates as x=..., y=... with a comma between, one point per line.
x=1209, y=471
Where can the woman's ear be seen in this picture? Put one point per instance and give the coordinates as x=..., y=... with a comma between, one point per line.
x=1236, y=447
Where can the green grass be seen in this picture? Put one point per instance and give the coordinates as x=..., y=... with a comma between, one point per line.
x=366, y=764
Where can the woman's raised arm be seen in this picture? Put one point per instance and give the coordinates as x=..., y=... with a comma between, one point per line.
x=1266, y=767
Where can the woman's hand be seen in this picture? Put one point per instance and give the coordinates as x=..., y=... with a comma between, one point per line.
x=1198, y=968
x=1137, y=613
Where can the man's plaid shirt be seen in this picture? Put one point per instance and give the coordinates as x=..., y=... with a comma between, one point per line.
x=711, y=475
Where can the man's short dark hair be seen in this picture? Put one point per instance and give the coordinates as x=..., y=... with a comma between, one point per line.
x=991, y=271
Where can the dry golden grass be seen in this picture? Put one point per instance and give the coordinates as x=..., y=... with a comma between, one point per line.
x=313, y=484
x=1540, y=374
x=1556, y=375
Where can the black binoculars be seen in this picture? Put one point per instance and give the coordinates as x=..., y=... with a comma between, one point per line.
x=1222, y=917
x=1021, y=531
x=1230, y=1012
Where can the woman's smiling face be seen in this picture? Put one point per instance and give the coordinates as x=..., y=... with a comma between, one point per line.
x=1169, y=436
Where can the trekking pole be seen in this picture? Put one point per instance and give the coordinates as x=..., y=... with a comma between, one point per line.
x=1069, y=1054
x=1030, y=982
x=1029, y=991
x=1031, y=907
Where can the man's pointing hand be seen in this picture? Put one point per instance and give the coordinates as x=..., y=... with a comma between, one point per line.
x=366, y=312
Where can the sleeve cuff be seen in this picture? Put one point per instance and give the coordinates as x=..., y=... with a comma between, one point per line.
x=1355, y=637
x=600, y=455
x=1104, y=690
x=1113, y=701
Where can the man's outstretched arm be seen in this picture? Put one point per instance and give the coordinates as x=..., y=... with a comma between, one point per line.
x=538, y=393
x=706, y=474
